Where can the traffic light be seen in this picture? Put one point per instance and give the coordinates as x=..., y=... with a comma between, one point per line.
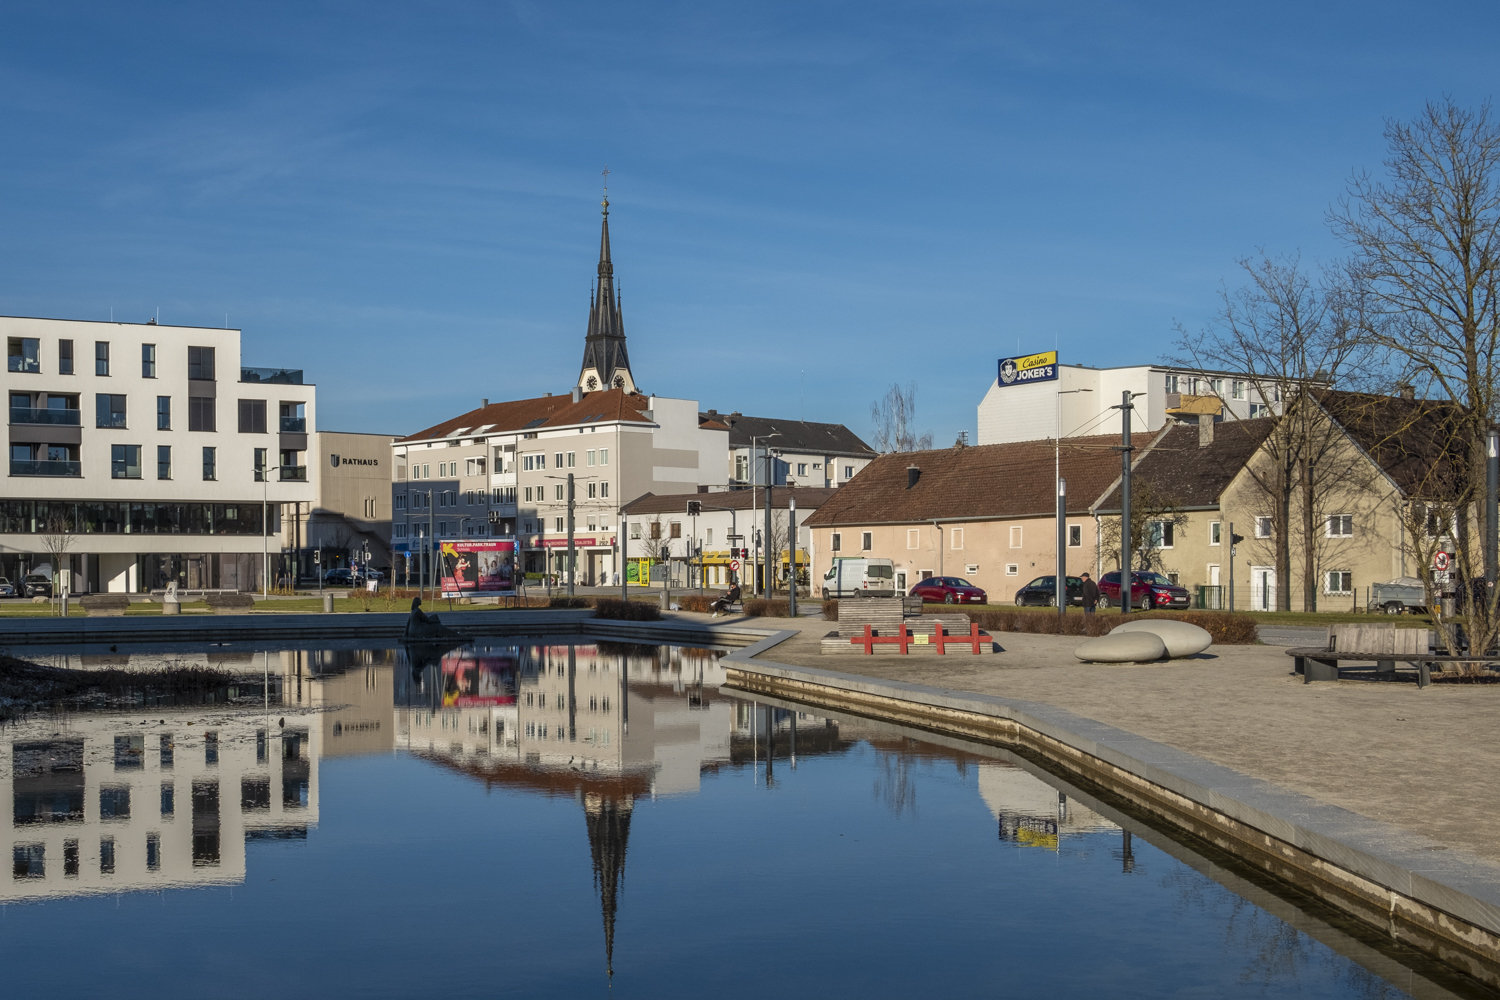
x=1236, y=539
x=694, y=508
x=317, y=557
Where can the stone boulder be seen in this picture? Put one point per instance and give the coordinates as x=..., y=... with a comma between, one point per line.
x=1180, y=638
x=1122, y=647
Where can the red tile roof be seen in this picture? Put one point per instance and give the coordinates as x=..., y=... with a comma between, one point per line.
x=808, y=498
x=542, y=412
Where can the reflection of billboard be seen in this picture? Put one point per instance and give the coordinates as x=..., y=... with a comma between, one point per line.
x=486, y=567
x=478, y=680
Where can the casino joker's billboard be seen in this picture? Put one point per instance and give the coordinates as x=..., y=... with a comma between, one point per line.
x=1029, y=368
x=479, y=567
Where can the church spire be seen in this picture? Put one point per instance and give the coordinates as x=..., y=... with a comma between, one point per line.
x=609, y=834
x=605, y=361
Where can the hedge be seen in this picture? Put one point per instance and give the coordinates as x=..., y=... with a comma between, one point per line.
x=631, y=611
x=1226, y=628
x=761, y=608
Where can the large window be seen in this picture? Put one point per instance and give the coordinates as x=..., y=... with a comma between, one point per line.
x=163, y=461
x=163, y=413
x=65, y=357
x=200, y=414
x=125, y=461
x=252, y=416
x=1341, y=526
x=1160, y=534
x=109, y=410
x=210, y=464
x=148, y=361
x=101, y=357
x=201, y=364
x=1237, y=389
x=25, y=354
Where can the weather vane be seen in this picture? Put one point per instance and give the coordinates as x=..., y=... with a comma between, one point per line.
x=606, y=185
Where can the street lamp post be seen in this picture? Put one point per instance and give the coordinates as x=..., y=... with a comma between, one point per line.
x=791, y=545
x=759, y=588
x=1062, y=508
x=265, y=527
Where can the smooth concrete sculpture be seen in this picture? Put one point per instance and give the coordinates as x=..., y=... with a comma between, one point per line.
x=1180, y=638
x=1124, y=647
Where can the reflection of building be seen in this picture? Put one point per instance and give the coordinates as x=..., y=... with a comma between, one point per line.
x=1032, y=812
x=110, y=803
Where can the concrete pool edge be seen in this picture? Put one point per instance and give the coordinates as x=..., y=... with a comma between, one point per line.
x=1445, y=903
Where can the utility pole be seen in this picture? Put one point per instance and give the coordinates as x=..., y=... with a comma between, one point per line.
x=766, y=566
x=1127, y=578
x=791, y=544
x=1492, y=511
x=431, y=538
x=1062, y=546
x=570, y=534
x=624, y=558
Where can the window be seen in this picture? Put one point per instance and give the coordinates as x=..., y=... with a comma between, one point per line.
x=956, y=538
x=559, y=524
x=1339, y=582
x=589, y=457
x=163, y=461
x=848, y=472
x=676, y=529
x=426, y=472
x=801, y=468
x=148, y=361
x=1160, y=534
x=65, y=357
x=604, y=489
x=201, y=364
x=252, y=416
x=1259, y=410
x=557, y=460
x=866, y=541
x=25, y=354
x=260, y=464
x=527, y=493
x=1262, y=527
x=101, y=357
x=1214, y=532
x=1015, y=536
x=655, y=530
x=635, y=531
x=125, y=461
x=200, y=414
x=400, y=501
x=1341, y=526
x=1075, y=536
x=558, y=492
x=109, y=410
x=1173, y=384
x=913, y=538
x=163, y=413
x=571, y=456
x=708, y=540
x=1216, y=386
x=209, y=466
x=593, y=489
x=1012, y=569
x=1237, y=389
x=836, y=542
x=474, y=467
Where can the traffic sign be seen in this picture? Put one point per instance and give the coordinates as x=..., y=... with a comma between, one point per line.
x=734, y=564
x=1441, y=561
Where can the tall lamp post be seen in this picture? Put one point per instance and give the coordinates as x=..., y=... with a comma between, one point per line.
x=265, y=522
x=1062, y=507
x=760, y=589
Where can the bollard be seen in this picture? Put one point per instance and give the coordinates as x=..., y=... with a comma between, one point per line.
x=171, y=607
x=328, y=604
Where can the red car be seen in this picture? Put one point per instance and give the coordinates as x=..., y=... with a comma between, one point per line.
x=948, y=590
x=1147, y=590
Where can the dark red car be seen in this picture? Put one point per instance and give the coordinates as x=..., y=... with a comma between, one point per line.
x=948, y=590
x=1148, y=590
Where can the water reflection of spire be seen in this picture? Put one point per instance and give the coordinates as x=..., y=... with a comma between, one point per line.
x=609, y=831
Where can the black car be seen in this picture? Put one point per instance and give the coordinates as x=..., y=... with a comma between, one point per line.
x=36, y=585
x=1043, y=590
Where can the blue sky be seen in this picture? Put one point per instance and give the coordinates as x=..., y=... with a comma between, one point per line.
x=809, y=201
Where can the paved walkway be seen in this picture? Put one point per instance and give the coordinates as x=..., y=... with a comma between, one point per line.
x=1423, y=760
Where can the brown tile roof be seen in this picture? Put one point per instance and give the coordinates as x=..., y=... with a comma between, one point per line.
x=985, y=481
x=1195, y=477
x=1416, y=442
x=808, y=498
x=544, y=411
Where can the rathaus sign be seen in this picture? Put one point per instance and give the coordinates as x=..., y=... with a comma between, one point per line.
x=1031, y=368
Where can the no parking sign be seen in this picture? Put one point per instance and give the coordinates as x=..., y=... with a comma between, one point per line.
x=734, y=564
x=1441, y=561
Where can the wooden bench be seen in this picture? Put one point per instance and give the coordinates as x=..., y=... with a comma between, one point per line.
x=229, y=604
x=104, y=605
x=1381, y=645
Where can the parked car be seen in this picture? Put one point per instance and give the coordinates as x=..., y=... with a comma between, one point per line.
x=340, y=577
x=7, y=589
x=36, y=585
x=948, y=590
x=860, y=578
x=1147, y=590
x=1043, y=590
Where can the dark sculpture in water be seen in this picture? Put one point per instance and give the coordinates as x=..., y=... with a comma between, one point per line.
x=424, y=626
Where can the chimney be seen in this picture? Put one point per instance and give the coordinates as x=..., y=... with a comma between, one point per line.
x=484, y=402
x=578, y=394
x=547, y=395
x=1406, y=390
x=912, y=475
x=1205, y=431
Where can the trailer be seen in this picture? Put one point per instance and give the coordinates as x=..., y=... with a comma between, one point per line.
x=1398, y=596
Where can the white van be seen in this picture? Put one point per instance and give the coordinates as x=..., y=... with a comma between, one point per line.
x=860, y=578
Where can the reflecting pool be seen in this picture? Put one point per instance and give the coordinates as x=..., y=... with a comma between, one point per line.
x=550, y=818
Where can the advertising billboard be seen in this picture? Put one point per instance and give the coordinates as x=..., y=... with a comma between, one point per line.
x=1029, y=368
x=478, y=568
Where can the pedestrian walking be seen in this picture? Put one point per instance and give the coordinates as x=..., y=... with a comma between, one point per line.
x=1090, y=595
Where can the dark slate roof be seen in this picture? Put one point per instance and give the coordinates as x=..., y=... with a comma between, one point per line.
x=544, y=411
x=1195, y=477
x=985, y=481
x=1416, y=442
x=796, y=435
x=808, y=498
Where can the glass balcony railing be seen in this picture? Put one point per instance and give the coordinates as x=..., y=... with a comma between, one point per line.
x=44, y=415
x=294, y=473
x=20, y=363
x=294, y=425
x=45, y=468
x=274, y=376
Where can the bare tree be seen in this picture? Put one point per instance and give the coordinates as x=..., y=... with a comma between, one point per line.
x=57, y=539
x=895, y=417
x=1154, y=513
x=1292, y=331
x=657, y=542
x=1426, y=242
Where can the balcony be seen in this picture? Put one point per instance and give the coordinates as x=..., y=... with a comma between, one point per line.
x=45, y=468
x=44, y=415
x=272, y=376
x=294, y=473
x=294, y=425
x=21, y=363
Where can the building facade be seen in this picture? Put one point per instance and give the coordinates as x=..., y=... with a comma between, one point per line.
x=142, y=454
x=801, y=453
x=350, y=517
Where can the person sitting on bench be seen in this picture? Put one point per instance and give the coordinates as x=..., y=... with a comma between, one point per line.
x=723, y=603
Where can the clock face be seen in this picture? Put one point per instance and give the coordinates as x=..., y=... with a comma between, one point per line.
x=619, y=381
x=593, y=383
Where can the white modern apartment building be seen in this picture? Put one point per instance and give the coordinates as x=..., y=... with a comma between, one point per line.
x=1084, y=401
x=802, y=453
x=147, y=454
